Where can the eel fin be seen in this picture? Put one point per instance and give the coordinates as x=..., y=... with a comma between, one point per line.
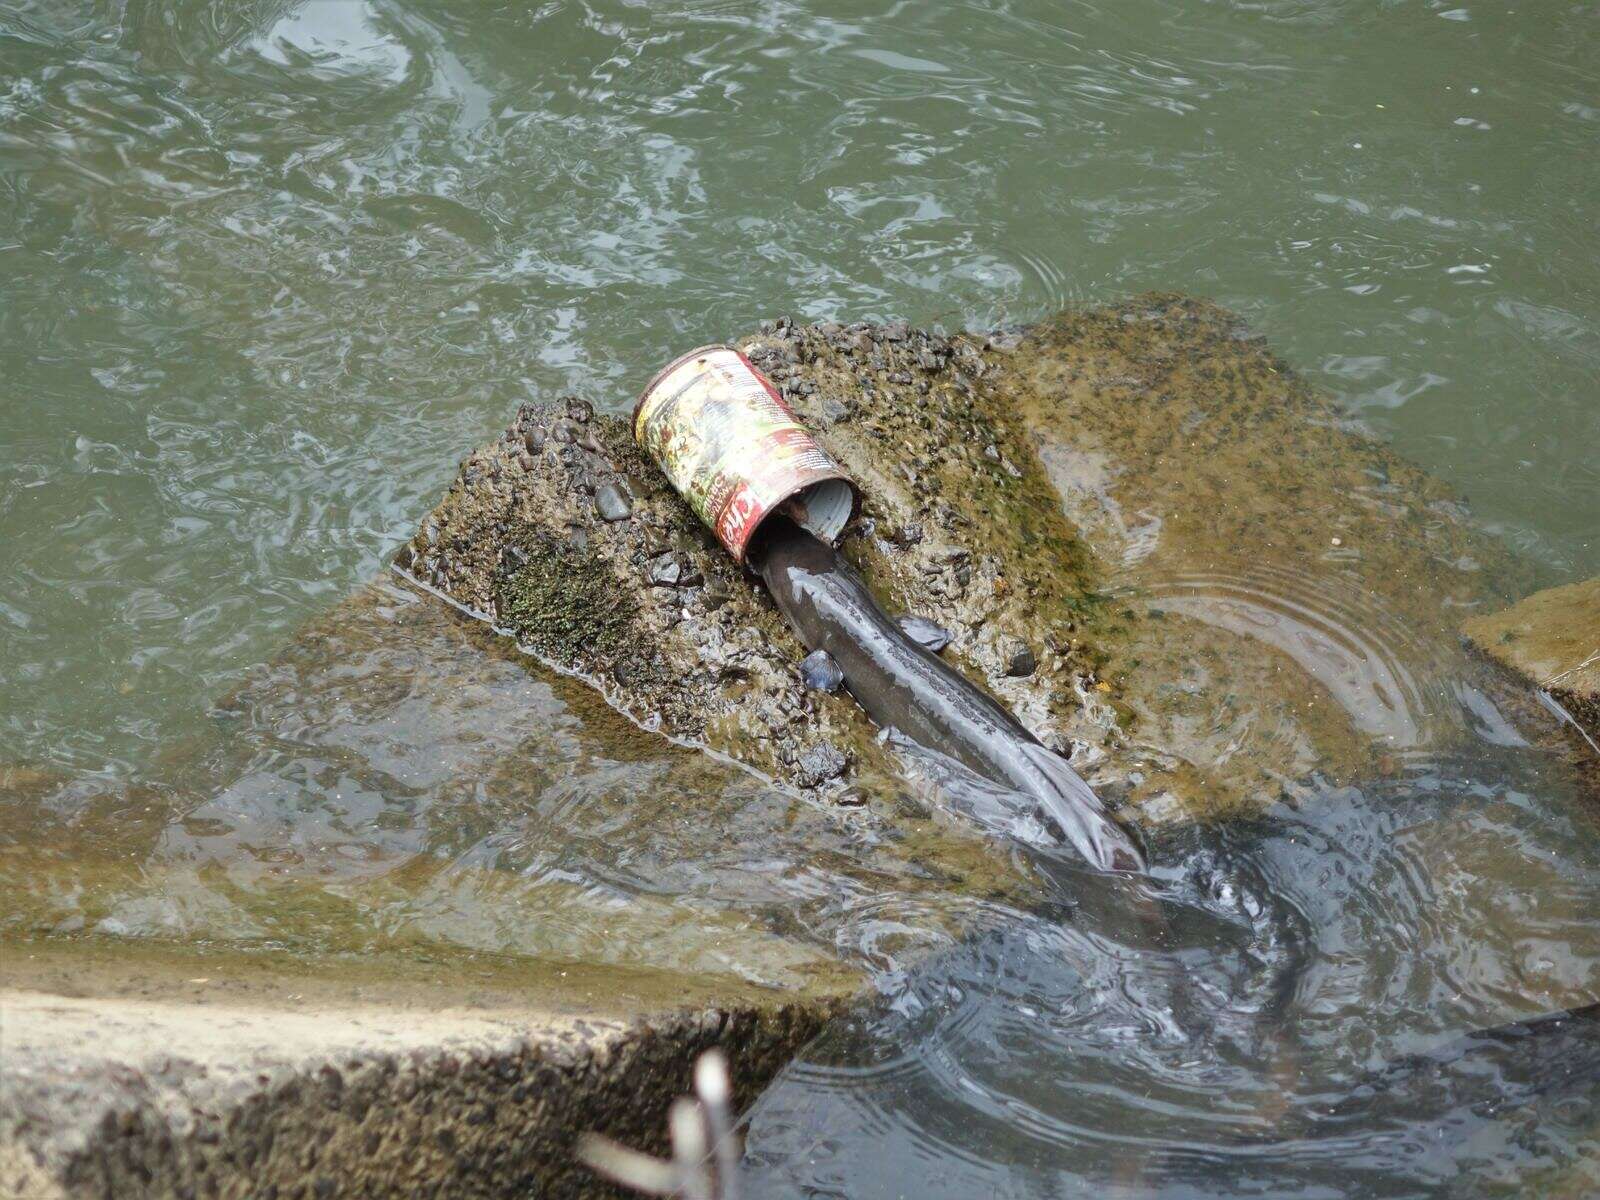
x=1072, y=806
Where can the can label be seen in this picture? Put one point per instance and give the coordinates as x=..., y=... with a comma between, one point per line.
x=734, y=450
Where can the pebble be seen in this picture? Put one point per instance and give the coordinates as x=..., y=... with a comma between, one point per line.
x=820, y=763
x=1019, y=659
x=896, y=331
x=908, y=534
x=820, y=672
x=580, y=411
x=834, y=410
x=925, y=633
x=611, y=503
x=665, y=571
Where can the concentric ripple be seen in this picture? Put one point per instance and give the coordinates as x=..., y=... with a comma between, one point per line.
x=1345, y=640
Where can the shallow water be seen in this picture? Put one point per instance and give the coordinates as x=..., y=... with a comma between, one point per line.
x=1362, y=930
x=269, y=268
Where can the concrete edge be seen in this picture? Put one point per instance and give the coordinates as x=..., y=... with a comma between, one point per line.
x=118, y=1097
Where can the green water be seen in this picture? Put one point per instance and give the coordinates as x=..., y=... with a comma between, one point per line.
x=267, y=269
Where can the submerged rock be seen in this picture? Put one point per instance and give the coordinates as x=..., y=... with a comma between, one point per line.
x=1219, y=586
x=820, y=763
x=611, y=503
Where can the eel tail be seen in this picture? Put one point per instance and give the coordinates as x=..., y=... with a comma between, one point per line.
x=1071, y=804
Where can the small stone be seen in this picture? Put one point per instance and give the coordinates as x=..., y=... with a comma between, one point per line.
x=1018, y=657
x=580, y=411
x=925, y=633
x=820, y=672
x=565, y=431
x=533, y=441
x=819, y=763
x=896, y=331
x=834, y=410
x=611, y=503
x=525, y=461
x=665, y=571
x=908, y=534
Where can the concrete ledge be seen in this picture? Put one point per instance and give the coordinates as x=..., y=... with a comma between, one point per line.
x=1551, y=639
x=128, y=1096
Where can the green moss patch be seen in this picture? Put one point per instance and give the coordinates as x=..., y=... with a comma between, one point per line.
x=563, y=601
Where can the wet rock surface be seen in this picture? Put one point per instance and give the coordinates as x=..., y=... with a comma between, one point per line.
x=386, y=868
x=654, y=613
x=820, y=672
x=1037, y=495
x=925, y=633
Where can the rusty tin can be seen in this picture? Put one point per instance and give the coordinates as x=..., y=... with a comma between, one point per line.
x=736, y=452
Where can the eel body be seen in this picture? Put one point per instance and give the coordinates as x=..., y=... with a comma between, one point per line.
x=904, y=686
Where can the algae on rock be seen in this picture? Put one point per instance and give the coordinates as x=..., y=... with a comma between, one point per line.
x=560, y=599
